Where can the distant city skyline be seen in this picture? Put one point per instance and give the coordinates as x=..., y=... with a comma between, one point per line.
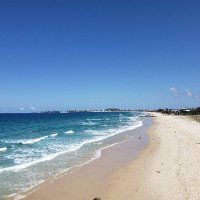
x=60, y=55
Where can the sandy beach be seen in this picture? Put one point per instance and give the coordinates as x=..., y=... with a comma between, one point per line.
x=166, y=167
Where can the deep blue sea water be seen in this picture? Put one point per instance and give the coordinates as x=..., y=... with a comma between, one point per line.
x=36, y=147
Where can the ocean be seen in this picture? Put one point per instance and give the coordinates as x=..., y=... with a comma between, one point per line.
x=36, y=147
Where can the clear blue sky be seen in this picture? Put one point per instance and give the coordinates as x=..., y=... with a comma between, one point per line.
x=65, y=54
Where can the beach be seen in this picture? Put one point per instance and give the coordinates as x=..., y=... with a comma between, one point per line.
x=168, y=168
x=92, y=179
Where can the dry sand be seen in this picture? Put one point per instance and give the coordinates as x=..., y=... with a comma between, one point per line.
x=169, y=168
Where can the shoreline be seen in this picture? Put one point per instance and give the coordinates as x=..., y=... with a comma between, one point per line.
x=77, y=175
x=168, y=167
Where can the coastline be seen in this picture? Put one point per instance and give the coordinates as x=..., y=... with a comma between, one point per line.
x=37, y=155
x=166, y=165
x=94, y=176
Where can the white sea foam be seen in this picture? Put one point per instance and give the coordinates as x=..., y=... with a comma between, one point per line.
x=26, y=141
x=95, y=119
x=93, y=132
x=100, y=135
x=15, y=196
x=71, y=148
x=19, y=167
x=111, y=132
x=69, y=132
x=54, y=134
x=3, y=149
x=31, y=141
x=134, y=118
x=142, y=115
x=89, y=123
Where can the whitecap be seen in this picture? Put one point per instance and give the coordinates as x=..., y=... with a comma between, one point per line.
x=69, y=132
x=3, y=149
x=54, y=134
x=93, y=132
x=31, y=141
x=89, y=123
x=143, y=115
x=135, y=118
x=26, y=141
x=95, y=119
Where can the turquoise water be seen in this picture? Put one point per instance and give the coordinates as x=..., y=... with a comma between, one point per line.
x=36, y=147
